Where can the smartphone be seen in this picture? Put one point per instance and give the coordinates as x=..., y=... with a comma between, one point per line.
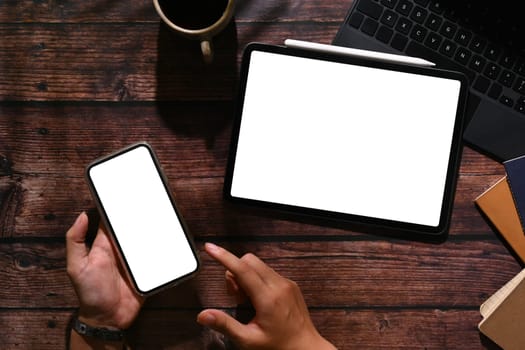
x=139, y=211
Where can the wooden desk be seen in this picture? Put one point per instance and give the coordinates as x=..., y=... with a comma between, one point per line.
x=80, y=79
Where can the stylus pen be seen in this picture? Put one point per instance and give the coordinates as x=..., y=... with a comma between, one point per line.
x=374, y=55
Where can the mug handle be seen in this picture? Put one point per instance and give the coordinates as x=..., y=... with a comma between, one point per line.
x=207, y=52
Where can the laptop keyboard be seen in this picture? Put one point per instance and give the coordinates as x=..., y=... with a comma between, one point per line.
x=424, y=28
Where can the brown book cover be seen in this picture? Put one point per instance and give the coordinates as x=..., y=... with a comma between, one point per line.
x=497, y=203
x=504, y=316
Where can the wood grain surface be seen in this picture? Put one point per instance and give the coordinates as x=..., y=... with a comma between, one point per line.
x=81, y=79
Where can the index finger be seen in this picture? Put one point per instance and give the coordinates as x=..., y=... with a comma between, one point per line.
x=248, y=279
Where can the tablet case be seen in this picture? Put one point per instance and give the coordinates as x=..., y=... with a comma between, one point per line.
x=515, y=169
x=498, y=205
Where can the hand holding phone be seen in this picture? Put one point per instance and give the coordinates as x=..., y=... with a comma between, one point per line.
x=106, y=298
x=139, y=212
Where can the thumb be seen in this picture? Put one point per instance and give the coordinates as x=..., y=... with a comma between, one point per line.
x=75, y=242
x=223, y=323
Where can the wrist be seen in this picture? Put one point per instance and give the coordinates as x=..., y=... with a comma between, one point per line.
x=96, y=331
x=326, y=345
x=80, y=342
x=316, y=342
x=99, y=322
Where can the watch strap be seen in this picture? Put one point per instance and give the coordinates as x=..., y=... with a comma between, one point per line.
x=97, y=332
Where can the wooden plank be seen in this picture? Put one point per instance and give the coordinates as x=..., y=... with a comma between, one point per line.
x=117, y=62
x=45, y=205
x=346, y=328
x=36, y=137
x=43, y=157
x=33, y=329
x=28, y=11
x=331, y=274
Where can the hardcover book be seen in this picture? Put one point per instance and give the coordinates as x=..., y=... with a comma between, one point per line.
x=497, y=204
x=503, y=315
x=515, y=169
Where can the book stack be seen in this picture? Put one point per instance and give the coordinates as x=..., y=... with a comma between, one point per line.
x=504, y=206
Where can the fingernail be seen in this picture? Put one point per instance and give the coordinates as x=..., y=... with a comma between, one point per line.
x=207, y=319
x=212, y=247
x=80, y=218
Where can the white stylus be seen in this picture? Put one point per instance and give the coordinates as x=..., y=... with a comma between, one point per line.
x=374, y=55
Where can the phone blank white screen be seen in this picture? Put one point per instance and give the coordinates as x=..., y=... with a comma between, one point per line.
x=345, y=138
x=143, y=219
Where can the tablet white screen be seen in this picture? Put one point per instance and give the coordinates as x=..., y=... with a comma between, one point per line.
x=345, y=138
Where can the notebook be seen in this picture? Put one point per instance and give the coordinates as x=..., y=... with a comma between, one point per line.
x=480, y=38
x=498, y=205
x=515, y=169
x=504, y=315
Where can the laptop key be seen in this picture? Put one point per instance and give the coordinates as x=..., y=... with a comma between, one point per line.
x=399, y=42
x=492, y=71
x=433, y=41
x=462, y=56
x=422, y=3
x=481, y=84
x=492, y=52
x=507, y=78
x=404, y=7
x=369, y=26
x=433, y=22
x=448, y=48
x=478, y=44
x=404, y=25
x=519, y=67
x=520, y=105
x=389, y=18
x=419, y=14
x=519, y=87
x=495, y=90
x=507, y=60
x=384, y=34
x=506, y=100
x=418, y=33
x=463, y=37
x=370, y=8
x=477, y=63
x=437, y=7
x=356, y=19
x=389, y=3
x=448, y=29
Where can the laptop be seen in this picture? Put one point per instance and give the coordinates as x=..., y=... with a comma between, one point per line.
x=483, y=39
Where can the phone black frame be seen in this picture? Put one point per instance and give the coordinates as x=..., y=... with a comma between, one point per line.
x=436, y=232
x=112, y=233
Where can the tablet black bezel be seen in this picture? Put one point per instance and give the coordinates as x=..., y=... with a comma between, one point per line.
x=454, y=156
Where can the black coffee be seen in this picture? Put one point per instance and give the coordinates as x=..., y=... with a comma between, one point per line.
x=193, y=14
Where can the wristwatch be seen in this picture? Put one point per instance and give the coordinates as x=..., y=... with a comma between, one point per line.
x=96, y=332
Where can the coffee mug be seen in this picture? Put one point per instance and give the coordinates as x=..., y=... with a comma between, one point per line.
x=196, y=19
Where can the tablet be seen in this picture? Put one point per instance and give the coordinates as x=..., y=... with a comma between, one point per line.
x=346, y=138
